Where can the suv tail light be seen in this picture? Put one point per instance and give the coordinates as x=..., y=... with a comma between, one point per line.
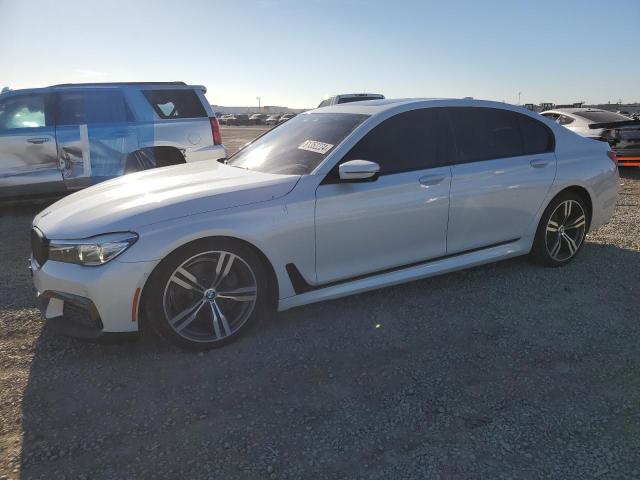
x=612, y=156
x=215, y=130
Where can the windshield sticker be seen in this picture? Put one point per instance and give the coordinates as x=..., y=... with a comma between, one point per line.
x=314, y=146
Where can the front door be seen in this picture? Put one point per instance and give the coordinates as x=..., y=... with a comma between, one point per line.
x=396, y=220
x=28, y=163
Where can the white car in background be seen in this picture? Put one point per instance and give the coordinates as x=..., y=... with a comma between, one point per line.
x=621, y=132
x=333, y=202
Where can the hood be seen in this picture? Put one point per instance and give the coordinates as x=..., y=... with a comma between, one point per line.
x=157, y=195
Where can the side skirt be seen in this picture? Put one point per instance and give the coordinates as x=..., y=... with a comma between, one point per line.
x=389, y=278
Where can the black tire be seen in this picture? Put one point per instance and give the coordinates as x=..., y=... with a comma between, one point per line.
x=555, y=248
x=160, y=292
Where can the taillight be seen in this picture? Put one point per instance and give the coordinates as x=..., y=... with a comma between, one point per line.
x=612, y=156
x=215, y=130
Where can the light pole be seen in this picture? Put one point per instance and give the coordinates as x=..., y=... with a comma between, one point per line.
x=519, y=93
x=258, y=98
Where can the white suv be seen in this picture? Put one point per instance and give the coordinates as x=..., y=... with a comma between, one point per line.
x=66, y=137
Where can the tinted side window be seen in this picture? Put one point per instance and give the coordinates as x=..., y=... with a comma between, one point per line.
x=536, y=136
x=485, y=133
x=175, y=103
x=26, y=111
x=408, y=141
x=77, y=108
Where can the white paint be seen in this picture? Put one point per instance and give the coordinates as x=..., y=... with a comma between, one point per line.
x=86, y=150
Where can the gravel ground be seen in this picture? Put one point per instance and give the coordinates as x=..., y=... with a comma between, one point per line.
x=502, y=371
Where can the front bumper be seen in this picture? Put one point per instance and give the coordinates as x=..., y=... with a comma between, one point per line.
x=76, y=317
x=90, y=302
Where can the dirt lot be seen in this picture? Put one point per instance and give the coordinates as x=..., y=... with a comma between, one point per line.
x=503, y=371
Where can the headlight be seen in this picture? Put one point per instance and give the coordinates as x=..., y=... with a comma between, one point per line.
x=91, y=251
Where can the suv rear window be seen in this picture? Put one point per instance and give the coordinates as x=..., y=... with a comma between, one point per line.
x=175, y=103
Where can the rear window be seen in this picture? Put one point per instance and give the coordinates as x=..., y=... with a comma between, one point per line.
x=602, y=116
x=536, y=136
x=297, y=146
x=358, y=99
x=485, y=133
x=175, y=103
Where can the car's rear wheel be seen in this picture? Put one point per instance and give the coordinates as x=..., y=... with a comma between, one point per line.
x=207, y=294
x=561, y=231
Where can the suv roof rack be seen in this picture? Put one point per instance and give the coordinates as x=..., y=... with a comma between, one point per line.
x=98, y=84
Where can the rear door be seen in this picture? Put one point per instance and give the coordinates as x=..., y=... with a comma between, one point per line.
x=396, y=220
x=95, y=133
x=28, y=164
x=505, y=166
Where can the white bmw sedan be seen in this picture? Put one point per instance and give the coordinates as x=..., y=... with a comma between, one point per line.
x=333, y=202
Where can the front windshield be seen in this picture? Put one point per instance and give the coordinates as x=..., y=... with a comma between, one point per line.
x=298, y=146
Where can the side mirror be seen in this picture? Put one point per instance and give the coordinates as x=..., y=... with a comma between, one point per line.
x=358, y=170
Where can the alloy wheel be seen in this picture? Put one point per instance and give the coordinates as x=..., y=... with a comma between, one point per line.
x=210, y=296
x=565, y=230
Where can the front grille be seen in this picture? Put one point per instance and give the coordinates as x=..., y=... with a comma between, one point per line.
x=39, y=246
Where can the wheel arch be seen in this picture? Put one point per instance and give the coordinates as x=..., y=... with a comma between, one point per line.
x=159, y=155
x=272, y=278
x=584, y=194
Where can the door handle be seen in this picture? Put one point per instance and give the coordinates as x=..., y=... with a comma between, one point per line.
x=539, y=163
x=429, y=180
x=38, y=140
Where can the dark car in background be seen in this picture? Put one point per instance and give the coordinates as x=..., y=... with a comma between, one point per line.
x=258, y=118
x=235, y=119
x=349, y=98
x=285, y=117
x=272, y=120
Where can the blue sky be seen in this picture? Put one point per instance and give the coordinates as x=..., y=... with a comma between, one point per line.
x=295, y=52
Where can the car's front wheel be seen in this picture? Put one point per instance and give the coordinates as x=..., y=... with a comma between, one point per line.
x=561, y=231
x=207, y=293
